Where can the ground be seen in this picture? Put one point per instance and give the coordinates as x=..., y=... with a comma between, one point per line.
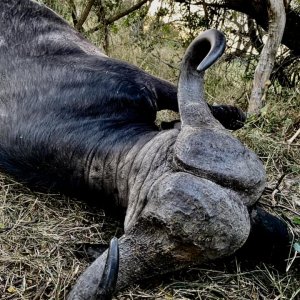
x=39, y=235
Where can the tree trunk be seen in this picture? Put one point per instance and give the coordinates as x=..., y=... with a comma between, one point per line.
x=277, y=19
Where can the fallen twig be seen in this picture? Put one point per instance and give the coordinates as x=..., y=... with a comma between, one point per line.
x=293, y=137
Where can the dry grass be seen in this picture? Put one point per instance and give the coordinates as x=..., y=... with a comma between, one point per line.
x=39, y=234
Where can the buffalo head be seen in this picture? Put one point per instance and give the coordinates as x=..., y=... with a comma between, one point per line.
x=75, y=120
x=188, y=190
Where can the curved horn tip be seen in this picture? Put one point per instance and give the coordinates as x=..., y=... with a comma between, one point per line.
x=109, y=278
x=87, y=287
x=217, y=41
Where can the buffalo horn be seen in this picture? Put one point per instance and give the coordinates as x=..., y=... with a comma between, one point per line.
x=88, y=287
x=199, y=56
x=109, y=278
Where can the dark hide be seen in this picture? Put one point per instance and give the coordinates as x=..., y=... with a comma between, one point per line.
x=74, y=120
x=61, y=100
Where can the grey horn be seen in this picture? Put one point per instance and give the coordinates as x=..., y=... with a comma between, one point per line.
x=85, y=287
x=202, y=143
x=199, y=56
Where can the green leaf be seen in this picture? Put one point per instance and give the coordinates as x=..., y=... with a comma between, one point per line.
x=297, y=247
x=296, y=220
x=264, y=110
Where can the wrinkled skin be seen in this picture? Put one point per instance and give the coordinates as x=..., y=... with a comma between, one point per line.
x=77, y=121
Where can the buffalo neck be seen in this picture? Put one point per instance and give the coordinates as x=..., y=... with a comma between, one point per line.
x=125, y=164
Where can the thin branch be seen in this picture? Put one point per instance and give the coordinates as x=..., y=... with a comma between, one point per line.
x=277, y=19
x=74, y=12
x=85, y=14
x=217, y=5
x=254, y=38
x=206, y=14
x=280, y=70
x=120, y=15
x=126, y=12
x=294, y=137
x=164, y=62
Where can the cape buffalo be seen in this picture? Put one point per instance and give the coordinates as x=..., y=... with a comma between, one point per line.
x=74, y=120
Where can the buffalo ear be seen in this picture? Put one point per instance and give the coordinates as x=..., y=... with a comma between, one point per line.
x=229, y=116
x=269, y=239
